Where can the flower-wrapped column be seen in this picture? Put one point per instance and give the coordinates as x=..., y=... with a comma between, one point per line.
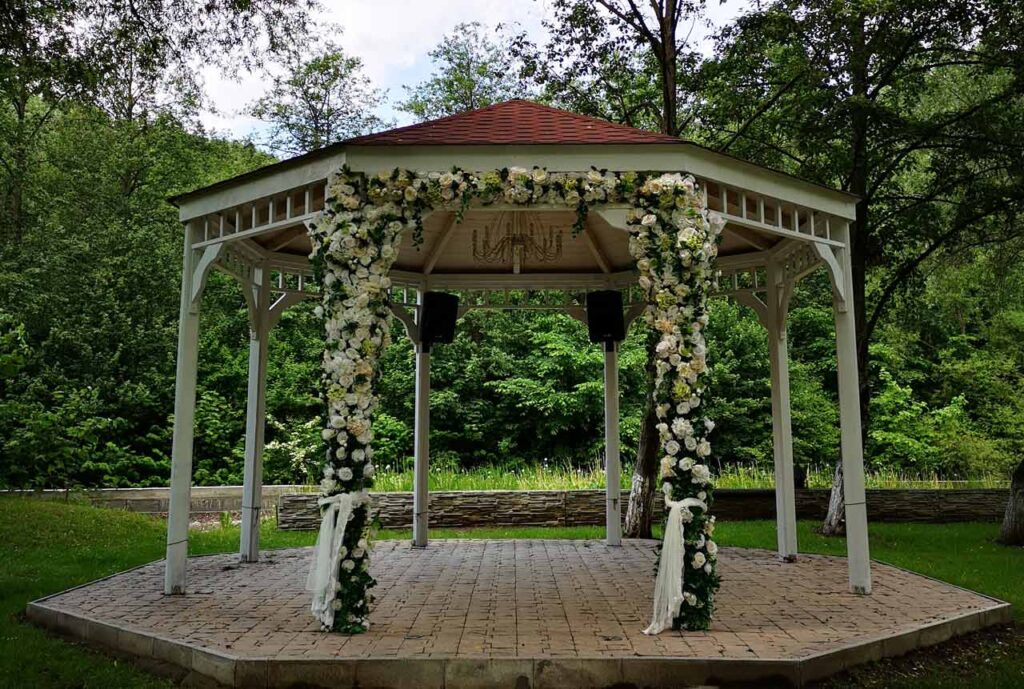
x=354, y=243
x=675, y=242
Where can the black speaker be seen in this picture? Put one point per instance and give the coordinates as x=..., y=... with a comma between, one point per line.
x=438, y=314
x=605, y=321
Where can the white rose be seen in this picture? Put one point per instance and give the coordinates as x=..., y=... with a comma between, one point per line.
x=685, y=463
x=345, y=474
x=691, y=443
x=701, y=473
x=672, y=447
x=699, y=560
x=712, y=548
x=703, y=448
x=369, y=470
x=348, y=565
x=707, y=568
x=682, y=428
x=649, y=219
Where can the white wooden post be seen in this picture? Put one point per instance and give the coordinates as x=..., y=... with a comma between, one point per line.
x=613, y=482
x=782, y=426
x=421, y=433
x=184, y=421
x=255, y=415
x=851, y=444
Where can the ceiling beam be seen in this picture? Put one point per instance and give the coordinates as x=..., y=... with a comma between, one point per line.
x=595, y=249
x=442, y=241
x=751, y=237
x=284, y=239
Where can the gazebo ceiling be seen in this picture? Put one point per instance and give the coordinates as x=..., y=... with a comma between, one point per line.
x=458, y=247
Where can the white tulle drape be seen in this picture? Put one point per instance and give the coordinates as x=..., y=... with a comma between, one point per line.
x=327, y=555
x=668, y=587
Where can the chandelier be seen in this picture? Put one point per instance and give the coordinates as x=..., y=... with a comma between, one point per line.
x=515, y=238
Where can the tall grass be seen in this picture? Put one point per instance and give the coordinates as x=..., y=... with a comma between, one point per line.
x=573, y=478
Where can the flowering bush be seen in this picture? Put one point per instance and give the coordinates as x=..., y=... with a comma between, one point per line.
x=355, y=242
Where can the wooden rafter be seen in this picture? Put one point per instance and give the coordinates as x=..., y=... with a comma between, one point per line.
x=596, y=250
x=751, y=237
x=439, y=245
x=285, y=238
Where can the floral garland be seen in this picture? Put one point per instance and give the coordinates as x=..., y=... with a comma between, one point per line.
x=675, y=242
x=355, y=242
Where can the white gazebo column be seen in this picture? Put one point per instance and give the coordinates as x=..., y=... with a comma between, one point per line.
x=851, y=444
x=421, y=434
x=255, y=415
x=782, y=426
x=192, y=273
x=613, y=482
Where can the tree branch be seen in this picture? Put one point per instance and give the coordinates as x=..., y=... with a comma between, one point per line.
x=761, y=109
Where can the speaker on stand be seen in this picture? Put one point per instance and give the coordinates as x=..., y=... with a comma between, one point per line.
x=438, y=314
x=605, y=320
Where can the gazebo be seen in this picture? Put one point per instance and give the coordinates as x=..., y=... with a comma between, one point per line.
x=530, y=612
x=778, y=229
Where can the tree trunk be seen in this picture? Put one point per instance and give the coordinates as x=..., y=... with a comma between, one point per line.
x=668, y=61
x=835, y=520
x=640, y=512
x=859, y=178
x=1012, y=532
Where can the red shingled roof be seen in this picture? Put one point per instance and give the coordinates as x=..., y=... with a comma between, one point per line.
x=513, y=122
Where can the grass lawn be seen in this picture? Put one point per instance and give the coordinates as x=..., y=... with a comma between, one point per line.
x=562, y=477
x=48, y=546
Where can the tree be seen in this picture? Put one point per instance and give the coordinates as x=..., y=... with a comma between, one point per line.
x=1012, y=532
x=615, y=59
x=471, y=70
x=318, y=101
x=913, y=107
x=41, y=56
x=610, y=44
x=55, y=50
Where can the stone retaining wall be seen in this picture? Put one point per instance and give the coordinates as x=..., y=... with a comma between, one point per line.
x=586, y=507
x=205, y=499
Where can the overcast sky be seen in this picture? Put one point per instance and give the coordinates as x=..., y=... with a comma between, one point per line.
x=393, y=38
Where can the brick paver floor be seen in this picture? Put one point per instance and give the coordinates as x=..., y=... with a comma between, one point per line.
x=520, y=598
